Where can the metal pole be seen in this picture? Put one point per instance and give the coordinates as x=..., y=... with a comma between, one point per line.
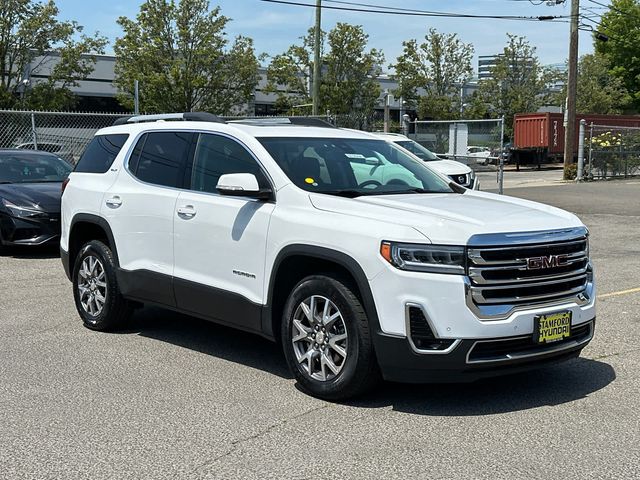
x=316, y=59
x=590, y=170
x=33, y=131
x=583, y=123
x=405, y=124
x=572, y=85
x=501, y=169
x=136, y=98
x=455, y=140
x=386, y=111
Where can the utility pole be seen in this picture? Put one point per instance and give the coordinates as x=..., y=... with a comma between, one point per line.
x=572, y=86
x=317, y=68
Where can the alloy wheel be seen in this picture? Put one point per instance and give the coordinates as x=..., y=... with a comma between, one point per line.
x=92, y=285
x=319, y=338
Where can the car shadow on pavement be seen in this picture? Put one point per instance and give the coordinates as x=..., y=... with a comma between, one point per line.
x=549, y=386
x=209, y=338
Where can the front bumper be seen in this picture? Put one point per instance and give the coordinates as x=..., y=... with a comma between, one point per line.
x=16, y=231
x=474, y=359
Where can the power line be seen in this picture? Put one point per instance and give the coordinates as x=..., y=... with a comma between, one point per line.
x=611, y=7
x=419, y=13
x=400, y=9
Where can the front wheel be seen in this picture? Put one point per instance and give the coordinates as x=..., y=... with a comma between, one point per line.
x=95, y=288
x=327, y=341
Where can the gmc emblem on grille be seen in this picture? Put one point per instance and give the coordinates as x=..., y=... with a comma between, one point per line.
x=538, y=263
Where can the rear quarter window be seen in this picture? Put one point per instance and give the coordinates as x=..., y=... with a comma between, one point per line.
x=100, y=153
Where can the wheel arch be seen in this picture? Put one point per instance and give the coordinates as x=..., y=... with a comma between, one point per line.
x=86, y=227
x=293, y=263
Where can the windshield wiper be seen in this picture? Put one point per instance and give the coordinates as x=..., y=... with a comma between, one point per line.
x=350, y=193
x=346, y=193
x=406, y=191
x=419, y=190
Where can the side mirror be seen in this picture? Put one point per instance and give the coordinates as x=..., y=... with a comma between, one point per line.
x=242, y=185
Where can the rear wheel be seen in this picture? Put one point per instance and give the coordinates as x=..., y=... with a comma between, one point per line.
x=95, y=289
x=326, y=339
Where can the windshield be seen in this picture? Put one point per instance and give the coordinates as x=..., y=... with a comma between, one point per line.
x=32, y=167
x=352, y=167
x=418, y=150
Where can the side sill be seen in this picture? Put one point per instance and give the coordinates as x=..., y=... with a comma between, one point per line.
x=218, y=305
x=146, y=286
x=194, y=299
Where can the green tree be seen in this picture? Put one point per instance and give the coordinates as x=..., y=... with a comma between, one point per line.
x=598, y=90
x=33, y=40
x=431, y=73
x=349, y=85
x=182, y=59
x=622, y=23
x=289, y=76
x=518, y=82
x=349, y=73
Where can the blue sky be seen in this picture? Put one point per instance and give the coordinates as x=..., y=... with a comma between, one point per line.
x=274, y=27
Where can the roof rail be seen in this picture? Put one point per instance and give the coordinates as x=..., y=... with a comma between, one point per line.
x=186, y=116
x=279, y=121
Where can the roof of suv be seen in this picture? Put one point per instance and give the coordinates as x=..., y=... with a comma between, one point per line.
x=253, y=130
x=391, y=137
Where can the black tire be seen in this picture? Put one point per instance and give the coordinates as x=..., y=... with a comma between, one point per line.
x=360, y=371
x=116, y=309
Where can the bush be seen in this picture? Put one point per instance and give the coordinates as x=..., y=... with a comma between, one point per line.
x=571, y=172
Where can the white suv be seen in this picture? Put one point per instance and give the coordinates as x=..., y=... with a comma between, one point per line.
x=285, y=230
x=456, y=171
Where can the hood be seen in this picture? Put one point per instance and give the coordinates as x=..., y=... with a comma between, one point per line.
x=451, y=219
x=44, y=195
x=448, y=167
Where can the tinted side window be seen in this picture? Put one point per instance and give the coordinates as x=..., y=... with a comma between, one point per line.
x=217, y=155
x=162, y=158
x=100, y=153
x=134, y=159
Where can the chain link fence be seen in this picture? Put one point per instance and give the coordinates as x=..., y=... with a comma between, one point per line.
x=612, y=152
x=473, y=142
x=64, y=133
x=367, y=122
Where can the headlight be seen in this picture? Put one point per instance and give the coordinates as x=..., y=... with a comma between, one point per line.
x=424, y=258
x=472, y=175
x=22, y=212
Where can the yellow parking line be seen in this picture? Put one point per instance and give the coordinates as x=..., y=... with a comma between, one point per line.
x=621, y=292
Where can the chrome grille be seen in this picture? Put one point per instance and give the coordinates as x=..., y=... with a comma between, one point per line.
x=528, y=274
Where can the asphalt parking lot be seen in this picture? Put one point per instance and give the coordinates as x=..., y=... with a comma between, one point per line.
x=175, y=397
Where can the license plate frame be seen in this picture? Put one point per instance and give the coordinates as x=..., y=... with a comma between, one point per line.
x=552, y=327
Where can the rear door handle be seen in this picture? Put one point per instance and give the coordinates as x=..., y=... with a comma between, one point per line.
x=186, y=212
x=114, y=202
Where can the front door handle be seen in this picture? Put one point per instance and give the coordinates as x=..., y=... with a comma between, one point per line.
x=186, y=212
x=114, y=202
